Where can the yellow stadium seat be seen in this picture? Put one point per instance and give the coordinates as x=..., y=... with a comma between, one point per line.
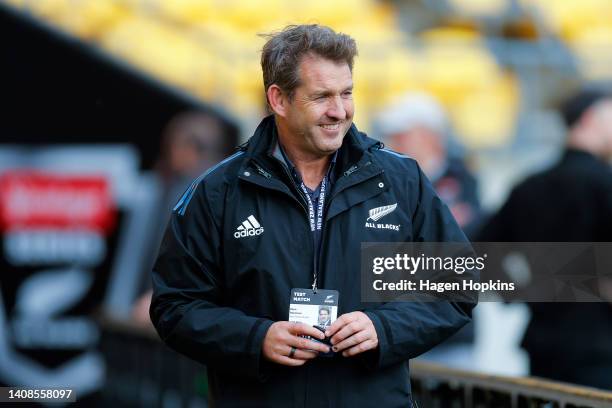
x=333, y=13
x=251, y=15
x=155, y=48
x=592, y=49
x=569, y=17
x=185, y=11
x=91, y=18
x=485, y=118
x=49, y=9
x=451, y=71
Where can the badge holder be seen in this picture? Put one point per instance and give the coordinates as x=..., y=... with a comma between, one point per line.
x=314, y=307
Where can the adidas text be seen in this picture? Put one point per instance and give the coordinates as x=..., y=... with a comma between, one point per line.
x=248, y=233
x=249, y=228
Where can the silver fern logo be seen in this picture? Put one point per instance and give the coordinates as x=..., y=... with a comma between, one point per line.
x=377, y=213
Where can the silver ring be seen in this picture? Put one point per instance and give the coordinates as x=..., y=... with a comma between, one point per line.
x=292, y=352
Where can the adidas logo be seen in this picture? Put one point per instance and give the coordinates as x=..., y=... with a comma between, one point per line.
x=249, y=228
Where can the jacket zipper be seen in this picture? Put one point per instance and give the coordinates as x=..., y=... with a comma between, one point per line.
x=347, y=173
x=318, y=262
x=315, y=272
x=302, y=201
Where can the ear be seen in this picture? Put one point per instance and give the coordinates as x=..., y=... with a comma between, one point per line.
x=277, y=99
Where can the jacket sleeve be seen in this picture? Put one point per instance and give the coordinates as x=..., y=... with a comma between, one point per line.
x=187, y=307
x=408, y=329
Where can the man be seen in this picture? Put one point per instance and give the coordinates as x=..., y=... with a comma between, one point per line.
x=572, y=201
x=286, y=216
x=191, y=143
x=324, y=317
x=417, y=125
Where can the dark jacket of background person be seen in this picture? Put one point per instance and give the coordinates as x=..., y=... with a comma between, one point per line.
x=458, y=188
x=215, y=296
x=417, y=125
x=192, y=142
x=572, y=201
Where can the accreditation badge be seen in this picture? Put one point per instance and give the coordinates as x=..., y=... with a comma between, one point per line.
x=314, y=309
x=318, y=309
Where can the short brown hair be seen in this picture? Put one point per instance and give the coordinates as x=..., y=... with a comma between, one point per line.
x=282, y=53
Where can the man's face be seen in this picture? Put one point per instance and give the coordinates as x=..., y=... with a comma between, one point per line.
x=323, y=316
x=423, y=145
x=321, y=111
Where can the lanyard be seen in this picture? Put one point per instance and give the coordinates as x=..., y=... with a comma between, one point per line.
x=315, y=218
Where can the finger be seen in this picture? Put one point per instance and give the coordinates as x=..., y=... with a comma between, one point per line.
x=284, y=360
x=305, y=344
x=360, y=348
x=304, y=329
x=351, y=341
x=342, y=321
x=303, y=354
x=347, y=331
x=338, y=324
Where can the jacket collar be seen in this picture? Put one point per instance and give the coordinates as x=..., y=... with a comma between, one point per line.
x=355, y=144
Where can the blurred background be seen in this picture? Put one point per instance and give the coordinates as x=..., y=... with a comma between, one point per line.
x=111, y=107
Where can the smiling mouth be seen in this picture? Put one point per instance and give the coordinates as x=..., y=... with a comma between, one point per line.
x=335, y=126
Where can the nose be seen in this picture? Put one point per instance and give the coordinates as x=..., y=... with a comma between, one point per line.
x=336, y=108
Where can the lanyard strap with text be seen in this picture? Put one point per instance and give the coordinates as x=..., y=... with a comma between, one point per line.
x=315, y=218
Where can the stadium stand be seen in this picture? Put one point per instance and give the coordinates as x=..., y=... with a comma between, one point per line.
x=210, y=49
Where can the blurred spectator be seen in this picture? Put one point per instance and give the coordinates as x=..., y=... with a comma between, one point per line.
x=191, y=143
x=572, y=201
x=417, y=126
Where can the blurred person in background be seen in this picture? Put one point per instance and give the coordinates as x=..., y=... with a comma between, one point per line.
x=572, y=201
x=417, y=125
x=191, y=143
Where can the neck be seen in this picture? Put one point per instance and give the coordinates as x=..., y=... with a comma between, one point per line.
x=582, y=141
x=312, y=167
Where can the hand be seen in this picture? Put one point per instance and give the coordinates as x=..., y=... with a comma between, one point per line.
x=281, y=336
x=352, y=333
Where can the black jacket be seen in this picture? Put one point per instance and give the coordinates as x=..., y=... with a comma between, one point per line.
x=217, y=293
x=572, y=201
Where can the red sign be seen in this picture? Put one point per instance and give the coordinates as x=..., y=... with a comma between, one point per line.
x=33, y=199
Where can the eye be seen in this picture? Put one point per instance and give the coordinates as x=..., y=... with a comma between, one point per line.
x=347, y=94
